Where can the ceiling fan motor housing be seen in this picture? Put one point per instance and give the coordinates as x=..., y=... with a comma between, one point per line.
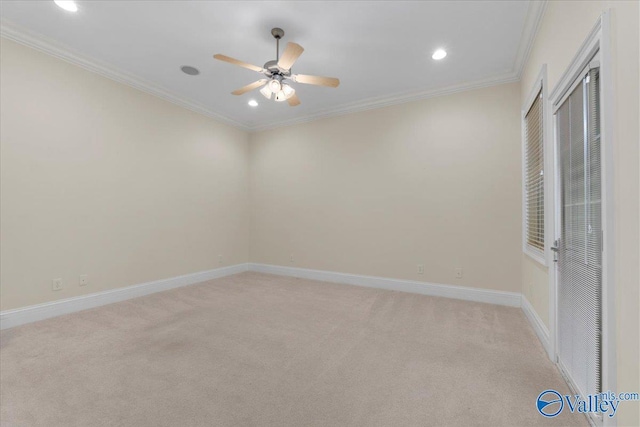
x=273, y=69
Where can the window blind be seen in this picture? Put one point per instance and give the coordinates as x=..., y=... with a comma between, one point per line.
x=580, y=256
x=534, y=176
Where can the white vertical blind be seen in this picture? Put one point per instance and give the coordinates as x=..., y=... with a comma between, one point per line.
x=580, y=257
x=534, y=176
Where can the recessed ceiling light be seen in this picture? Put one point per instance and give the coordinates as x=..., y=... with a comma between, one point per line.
x=67, y=5
x=253, y=103
x=439, y=54
x=192, y=71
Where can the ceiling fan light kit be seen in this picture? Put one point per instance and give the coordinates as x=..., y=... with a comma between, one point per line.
x=278, y=73
x=274, y=85
x=266, y=92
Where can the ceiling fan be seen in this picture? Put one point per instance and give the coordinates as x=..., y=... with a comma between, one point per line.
x=278, y=73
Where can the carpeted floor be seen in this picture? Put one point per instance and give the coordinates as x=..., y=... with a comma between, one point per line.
x=262, y=350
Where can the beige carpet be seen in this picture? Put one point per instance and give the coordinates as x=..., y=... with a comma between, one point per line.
x=261, y=350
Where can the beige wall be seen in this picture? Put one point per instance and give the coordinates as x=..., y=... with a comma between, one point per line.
x=98, y=178
x=535, y=286
x=433, y=182
x=564, y=27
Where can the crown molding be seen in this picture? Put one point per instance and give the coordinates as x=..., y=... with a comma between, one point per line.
x=44, y=44
x=529, y=32
x=387, y=101
x=39, y=42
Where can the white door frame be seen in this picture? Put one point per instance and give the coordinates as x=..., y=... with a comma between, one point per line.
x=598, y=41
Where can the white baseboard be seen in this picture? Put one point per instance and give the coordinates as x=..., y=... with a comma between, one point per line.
x=538, y=325
x=511, y=299
x=21, y=316
x=33, y=313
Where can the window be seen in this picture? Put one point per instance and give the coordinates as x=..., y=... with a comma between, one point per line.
x=533, y=179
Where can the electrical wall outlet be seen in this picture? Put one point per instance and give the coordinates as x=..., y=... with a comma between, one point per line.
x=56, y=285
x=458, y=272
x=420, y=268
x=219, y=259
x=291, y=258
x=84, y=280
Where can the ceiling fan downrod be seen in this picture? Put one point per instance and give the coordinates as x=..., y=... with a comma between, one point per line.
x=277, y=33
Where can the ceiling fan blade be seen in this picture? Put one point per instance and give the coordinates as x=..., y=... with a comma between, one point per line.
x=294, y=100
x=315, y=80
x=289, y=56
x=250, y=87
x=237, y=62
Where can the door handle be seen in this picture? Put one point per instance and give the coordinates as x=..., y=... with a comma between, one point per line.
x=556, y=249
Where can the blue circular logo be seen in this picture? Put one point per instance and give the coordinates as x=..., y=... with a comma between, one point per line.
x=550, y=403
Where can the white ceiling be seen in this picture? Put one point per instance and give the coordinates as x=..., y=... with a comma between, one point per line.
x=381, y=51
